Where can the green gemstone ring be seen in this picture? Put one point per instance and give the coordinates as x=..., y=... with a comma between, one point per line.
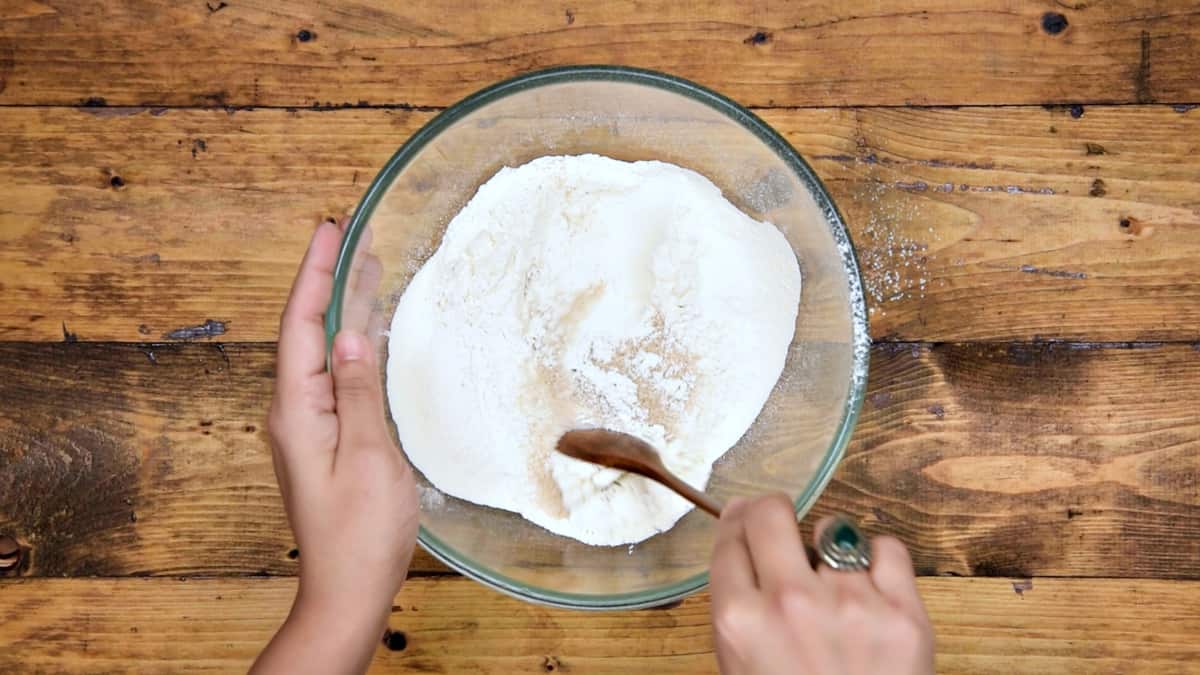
x=843, y=546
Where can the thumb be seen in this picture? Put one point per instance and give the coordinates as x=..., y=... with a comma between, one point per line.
x=358, y=392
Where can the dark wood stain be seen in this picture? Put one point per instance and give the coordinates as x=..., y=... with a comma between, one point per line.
x=6, y=64
x=1042, y=410
x=208, y=329
x=68, y=463
x=1141, y=76
x=93, y=432
x=103, y=446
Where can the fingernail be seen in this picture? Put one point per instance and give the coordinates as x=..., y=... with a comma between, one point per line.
x=350, y=346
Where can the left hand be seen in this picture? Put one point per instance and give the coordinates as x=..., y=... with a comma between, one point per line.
x=349, y=492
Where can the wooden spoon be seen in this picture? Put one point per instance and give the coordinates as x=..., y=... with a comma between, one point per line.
x=629, y=453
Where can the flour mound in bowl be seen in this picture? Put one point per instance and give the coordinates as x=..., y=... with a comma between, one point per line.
x=583, y=291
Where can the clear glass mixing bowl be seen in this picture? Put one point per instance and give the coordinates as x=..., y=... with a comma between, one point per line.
x=627, y=114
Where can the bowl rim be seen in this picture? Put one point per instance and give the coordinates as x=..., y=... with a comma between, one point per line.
x=608, y=73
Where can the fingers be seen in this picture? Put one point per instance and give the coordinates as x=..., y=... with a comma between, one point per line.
x=735, y=599
x=776, y=547
x=359, y=394
x=302, y=327
x=846, y=584
x=892, y=573
x=359, y=311
x=360, y=298
x=870, y=621
x=732, y=573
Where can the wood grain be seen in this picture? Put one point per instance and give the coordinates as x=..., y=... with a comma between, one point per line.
x=1014, y=460
x=128, y=460
x=971, y=224
x=990, y=460
x=450, y=625
x=815, y=52
x=173, y=204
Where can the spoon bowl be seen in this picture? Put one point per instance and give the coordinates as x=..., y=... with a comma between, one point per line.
x=624, y=452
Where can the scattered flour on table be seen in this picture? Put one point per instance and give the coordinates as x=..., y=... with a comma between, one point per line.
x=583, y=291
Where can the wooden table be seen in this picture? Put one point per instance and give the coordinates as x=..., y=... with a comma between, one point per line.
x=1032, y=429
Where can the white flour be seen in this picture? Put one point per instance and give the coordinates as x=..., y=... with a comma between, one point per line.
x=588, y=292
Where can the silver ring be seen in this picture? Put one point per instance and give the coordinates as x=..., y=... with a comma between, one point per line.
x=844, y=547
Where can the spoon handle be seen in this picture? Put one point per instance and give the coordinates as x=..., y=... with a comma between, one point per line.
x=700, y=499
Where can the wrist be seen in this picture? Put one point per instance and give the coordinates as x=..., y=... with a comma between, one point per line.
x=329, y=596
x=343, y=630
x=319, y=636
x=339, y=613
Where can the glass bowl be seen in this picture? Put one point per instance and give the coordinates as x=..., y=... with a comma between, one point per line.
x=626, y=114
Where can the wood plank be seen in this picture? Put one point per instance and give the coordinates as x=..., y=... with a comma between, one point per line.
x=815, y=52
x=972, y=224
x=124, y=460
x=1015, y=460
x=451, y=625
x=992, y=460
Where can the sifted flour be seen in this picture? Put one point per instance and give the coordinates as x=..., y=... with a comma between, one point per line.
x=588, y=292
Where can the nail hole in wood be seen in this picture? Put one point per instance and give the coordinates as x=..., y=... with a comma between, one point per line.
x=761, y=37
x=1054, y=23
x=395, y=640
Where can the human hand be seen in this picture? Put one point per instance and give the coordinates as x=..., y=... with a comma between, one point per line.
x=349, y=492
x=773, y=613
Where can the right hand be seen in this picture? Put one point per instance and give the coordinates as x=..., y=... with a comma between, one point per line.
x=773, y=613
